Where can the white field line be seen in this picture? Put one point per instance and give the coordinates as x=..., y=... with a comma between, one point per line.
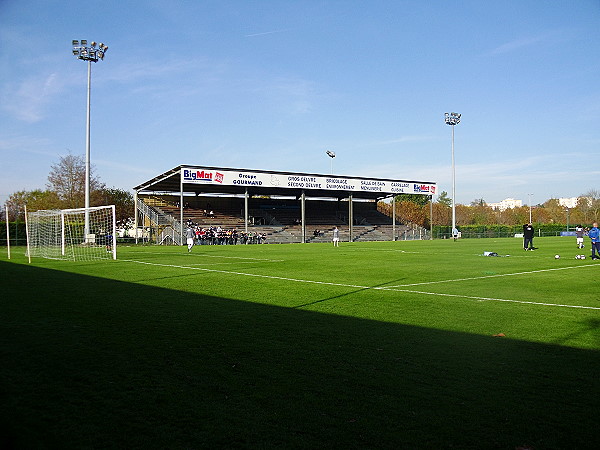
x=204, y=255
x=355, y=286
x=492, y=276
x=226, y=263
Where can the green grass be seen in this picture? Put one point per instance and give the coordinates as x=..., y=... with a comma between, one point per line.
x=369, y=345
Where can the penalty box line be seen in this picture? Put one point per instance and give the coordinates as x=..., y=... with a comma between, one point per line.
x=492, y=276
x=354, y=286
x=204, y=255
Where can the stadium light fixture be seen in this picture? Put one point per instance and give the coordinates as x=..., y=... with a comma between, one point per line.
x=90, y=53
x=331, y=155
x=453, y=119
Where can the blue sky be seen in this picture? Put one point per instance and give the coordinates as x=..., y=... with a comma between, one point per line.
x=274, y=84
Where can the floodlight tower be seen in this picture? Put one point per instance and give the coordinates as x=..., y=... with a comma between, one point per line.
x=453, y=119
x=90, y=53
x=331, y=155
x=530, y=207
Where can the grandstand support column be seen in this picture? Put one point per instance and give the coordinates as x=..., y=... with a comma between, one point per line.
x=135, y=215
x=350, y=217
x=393, y=217
x=181, y=205
x=246, y=211
x=303, y=215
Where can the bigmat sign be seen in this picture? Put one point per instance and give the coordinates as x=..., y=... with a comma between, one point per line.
x=212, y=176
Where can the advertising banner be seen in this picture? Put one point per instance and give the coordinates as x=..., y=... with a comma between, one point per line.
x=224, y=177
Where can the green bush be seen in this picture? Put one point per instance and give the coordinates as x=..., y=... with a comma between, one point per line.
x=492, y=231
x=16, y=231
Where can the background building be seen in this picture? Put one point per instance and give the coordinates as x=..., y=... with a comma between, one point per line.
x=507, y=203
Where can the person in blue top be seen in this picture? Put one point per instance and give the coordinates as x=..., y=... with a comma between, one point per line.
x=594, y=235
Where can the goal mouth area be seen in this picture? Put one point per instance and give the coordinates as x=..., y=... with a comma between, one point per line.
x=81, y=234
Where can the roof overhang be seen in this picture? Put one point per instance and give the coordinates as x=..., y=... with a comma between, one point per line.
x=191, y=179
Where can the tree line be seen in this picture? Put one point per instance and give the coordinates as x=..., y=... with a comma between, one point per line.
x=65, y=189
x=419, y=210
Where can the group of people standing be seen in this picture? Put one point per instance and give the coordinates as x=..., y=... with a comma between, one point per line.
x=593, y=233
x=219, y=236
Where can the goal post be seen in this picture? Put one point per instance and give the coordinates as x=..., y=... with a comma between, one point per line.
x=82, y=234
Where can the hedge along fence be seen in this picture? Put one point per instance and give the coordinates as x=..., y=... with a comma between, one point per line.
x=493, y=231
x=16, y=231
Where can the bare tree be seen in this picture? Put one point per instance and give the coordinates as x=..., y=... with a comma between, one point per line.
x=35, y=200
x=67, y=179
x=590, y=204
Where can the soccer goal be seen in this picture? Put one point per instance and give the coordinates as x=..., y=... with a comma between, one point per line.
x=83, y=234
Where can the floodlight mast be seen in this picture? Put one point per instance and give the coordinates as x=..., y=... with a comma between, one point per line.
x=453, y=119
x=90, y=53
x=331, y=155
x=530, y=195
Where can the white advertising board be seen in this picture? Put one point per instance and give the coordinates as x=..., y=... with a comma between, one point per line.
x=211, y=176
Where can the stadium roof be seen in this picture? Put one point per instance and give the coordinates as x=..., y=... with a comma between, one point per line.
x=215, y=180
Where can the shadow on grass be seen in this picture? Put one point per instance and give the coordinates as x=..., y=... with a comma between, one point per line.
x=346, y=294
x=92, y=362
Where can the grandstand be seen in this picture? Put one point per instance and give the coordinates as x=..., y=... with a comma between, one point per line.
x=285, y=207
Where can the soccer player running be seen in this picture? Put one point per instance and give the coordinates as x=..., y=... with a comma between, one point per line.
x=594, y=235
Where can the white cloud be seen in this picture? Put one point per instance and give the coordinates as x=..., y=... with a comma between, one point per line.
x=24, y=144
x=266, y=33
x=517, y=44
x=27, y=101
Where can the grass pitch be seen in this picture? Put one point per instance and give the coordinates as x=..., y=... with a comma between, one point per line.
x=418, y=344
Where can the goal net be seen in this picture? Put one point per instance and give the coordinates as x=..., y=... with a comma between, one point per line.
x=83, y=234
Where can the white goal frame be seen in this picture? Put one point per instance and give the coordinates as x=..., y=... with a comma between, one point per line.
x=81, y=234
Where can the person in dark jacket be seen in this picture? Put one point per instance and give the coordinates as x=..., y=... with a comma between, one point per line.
x=594, y=235
x=528, y=237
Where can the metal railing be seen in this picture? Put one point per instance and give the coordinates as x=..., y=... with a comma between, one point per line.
x=168, y=228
